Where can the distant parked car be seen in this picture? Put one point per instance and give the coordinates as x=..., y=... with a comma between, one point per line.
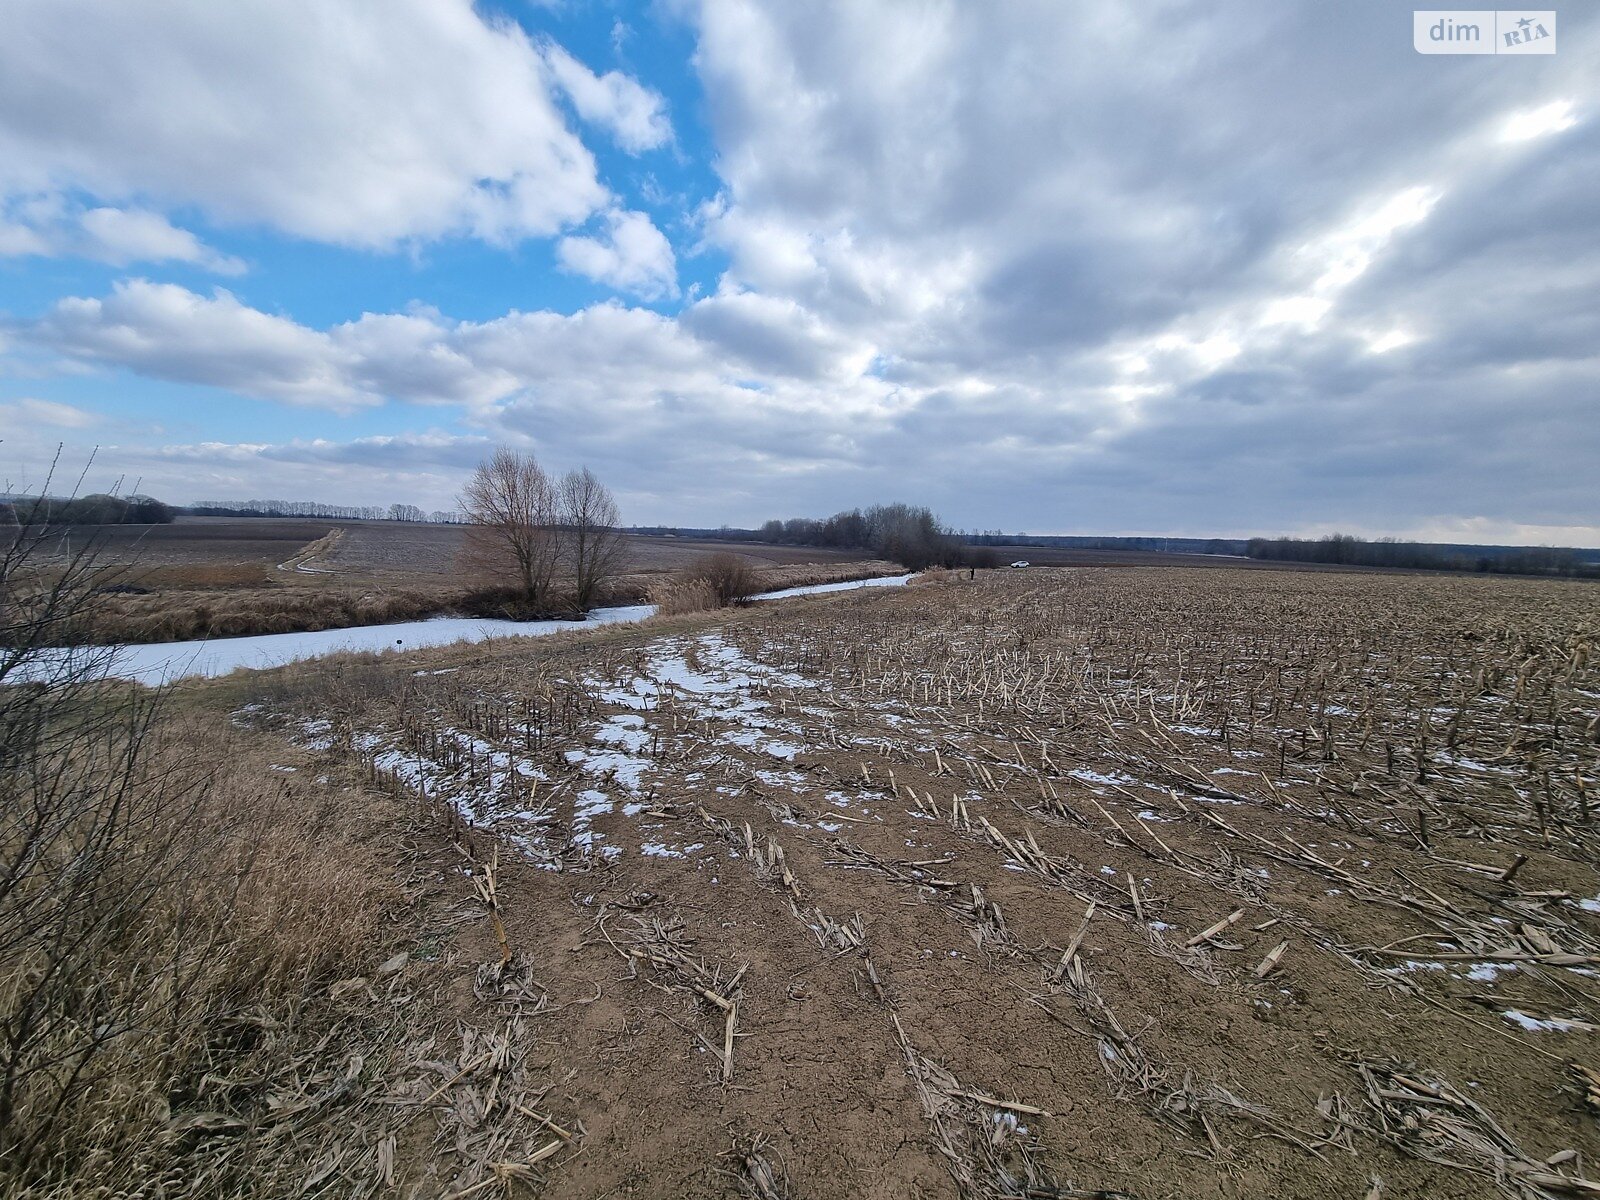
x=1021, y=562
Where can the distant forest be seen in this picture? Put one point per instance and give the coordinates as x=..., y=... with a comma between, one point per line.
x=97, y=509
x=904, y=533
x=100, y=509
x=908, y=534
x=854, y=529
x=316, y=508
x=1342, y=548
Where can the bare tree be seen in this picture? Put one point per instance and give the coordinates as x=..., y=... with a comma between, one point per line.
x=589, y=520
x=516, y=534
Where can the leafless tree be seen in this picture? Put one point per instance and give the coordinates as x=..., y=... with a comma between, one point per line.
x=589, y=520
x=516, y=528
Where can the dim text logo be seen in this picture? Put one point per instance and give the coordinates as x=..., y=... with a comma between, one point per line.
x=1484, y=31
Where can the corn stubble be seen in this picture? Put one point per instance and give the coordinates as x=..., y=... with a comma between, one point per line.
x=1115, y=883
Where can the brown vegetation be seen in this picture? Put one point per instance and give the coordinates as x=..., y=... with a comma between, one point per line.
x=1099, y=884
x=729, y=577
x=179, y=613
x=183, y=615
x=674, y=596
x=197, y=576
x=166, y=906
x=1121, y=883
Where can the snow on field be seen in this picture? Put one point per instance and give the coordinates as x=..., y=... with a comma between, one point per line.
x=709, y=680
x=1547, y=1024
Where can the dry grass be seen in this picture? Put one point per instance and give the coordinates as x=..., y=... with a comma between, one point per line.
x=183, y=615
x=674, y=597
x=191, y=1007
x=730, y=577
x=195, y=576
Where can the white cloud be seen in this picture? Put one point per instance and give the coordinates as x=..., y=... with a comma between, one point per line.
x=47, y=226
x=363, y=125
x=632, y=256
x=169, y=332
x=18, y=239
x=121, y=236
x=1038, y=265
x=1524, y=126
x=52, y=413
x=633, y=114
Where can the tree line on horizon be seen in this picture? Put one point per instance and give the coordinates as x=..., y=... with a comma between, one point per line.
x=316, y=508
x=908, y=534
x=98, y=508
x=1343, y=549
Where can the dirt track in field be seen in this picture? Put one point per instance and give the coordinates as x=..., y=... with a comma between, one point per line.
x=1152, y=883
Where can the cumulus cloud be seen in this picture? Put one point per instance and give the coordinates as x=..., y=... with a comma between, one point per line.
x=631, y=255
x=168, y=332
x=1233, y=270
x=121, y=236
x=354, y=124
x=634, y=115
x=46, y=226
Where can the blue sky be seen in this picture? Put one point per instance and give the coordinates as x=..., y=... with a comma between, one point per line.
x=1180, y=268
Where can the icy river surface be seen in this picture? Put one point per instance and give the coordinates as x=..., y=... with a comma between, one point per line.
x=162, y=662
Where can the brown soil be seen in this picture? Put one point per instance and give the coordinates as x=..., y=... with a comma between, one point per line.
x=865, y=832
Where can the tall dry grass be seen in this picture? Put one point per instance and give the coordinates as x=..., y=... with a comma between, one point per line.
x=675, y=597
x=171, y=915
x=188, y=615
x=710, y=582
x=166, y=951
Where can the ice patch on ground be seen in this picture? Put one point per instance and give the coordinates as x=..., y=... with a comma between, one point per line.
x=1546, y=1024
x=662, y=850
x=1088, y=776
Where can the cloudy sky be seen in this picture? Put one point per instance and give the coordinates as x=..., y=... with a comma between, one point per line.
x=1166, y=267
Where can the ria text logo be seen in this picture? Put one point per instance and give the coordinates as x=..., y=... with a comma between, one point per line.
x=1484, y=31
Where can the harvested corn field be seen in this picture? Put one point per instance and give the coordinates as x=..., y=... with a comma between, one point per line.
x=1150, y=883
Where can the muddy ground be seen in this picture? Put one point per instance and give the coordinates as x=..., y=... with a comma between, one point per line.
x=1146, y=883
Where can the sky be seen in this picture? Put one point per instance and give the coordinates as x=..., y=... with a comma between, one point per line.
x=1205, y=269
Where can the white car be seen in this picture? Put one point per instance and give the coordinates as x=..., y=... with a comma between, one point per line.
x=1021, y=562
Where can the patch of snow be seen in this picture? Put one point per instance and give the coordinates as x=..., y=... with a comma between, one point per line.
x=1547, y=1024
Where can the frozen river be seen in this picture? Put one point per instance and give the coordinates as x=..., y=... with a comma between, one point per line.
x=162, y=662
